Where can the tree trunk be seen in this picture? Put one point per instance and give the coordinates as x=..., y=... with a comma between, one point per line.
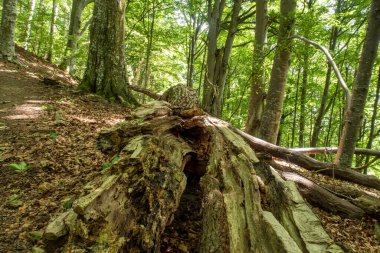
x=354, y=115
x=322, y=109
x=245, y=205
x=301, y=135
x=272, y=111
x=257, y=97
x=73, y=35
x=51, y=34
x=214, y=17
x=29, y=26
x=106, y=71
x=7, y=33
x=373, y=119
x=218, y=58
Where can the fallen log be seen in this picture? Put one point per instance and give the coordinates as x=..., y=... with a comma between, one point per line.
x=319, y=196
x=309, y=163
x=245, y=204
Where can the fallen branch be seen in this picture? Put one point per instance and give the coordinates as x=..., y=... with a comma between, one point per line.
x=147, y=92
x=309, y=163
x=334, y=150
x=319, y=196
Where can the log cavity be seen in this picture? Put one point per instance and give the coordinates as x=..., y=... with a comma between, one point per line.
x=184, y=232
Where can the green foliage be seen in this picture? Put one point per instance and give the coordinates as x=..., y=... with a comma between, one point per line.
x=106, y=166
x=69, y=203
x=53, y=135
x=49, y=108
x=19, y=167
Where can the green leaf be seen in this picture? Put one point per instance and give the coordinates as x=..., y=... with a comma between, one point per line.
x=53, y=135
x=20, y=167
x=69, y=203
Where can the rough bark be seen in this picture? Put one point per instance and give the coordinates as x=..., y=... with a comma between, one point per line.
x=7, y=32
x=257, y=96
x=73, y=35
x=354, y=115
x=270, y=124
x=106, y=70
x=246, y=205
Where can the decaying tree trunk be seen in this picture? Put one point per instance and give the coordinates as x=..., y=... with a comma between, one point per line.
x=245, y=204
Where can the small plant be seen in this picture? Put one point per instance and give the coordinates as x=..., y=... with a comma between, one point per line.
x=19, y=167
x=53, y=135
x=69, y=203
x=106, y=166
x=49, y=108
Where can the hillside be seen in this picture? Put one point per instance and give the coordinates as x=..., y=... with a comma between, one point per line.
x=51, y=127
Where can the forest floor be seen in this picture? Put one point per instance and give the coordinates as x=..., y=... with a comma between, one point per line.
x=48, y=133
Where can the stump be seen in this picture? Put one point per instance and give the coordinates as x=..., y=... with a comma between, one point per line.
x=245, y=206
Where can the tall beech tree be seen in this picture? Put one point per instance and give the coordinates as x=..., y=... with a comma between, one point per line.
x=257, y=96
x=354, y=116
x=7, y=32
x=106, y=70
x=270, y=124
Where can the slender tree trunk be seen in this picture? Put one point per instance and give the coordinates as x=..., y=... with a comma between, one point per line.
x=322, y=109
x=7, y=33
x=148, y=53
x=354, y=115
x=301, y=136
x=272, y=112
x=73, y=35
x=295, y=107
x=257, y=97
x=106, y=71
x=217, y=64
x=373, y=119
x=197, y=24
x=29, y=26
x=51, y=35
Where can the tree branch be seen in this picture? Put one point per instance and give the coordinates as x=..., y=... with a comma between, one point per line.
x=333, y=64
x=334, y=150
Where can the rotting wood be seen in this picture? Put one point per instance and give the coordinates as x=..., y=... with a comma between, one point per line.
x=246, y=205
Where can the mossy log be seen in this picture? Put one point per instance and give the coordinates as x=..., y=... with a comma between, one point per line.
x=245, y=205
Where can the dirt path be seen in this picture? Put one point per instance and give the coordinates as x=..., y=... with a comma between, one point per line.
x=52, y=129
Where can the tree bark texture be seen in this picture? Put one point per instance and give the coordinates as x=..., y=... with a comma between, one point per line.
x=245, y=204
x=354, y=116
x=270, y=124
x=257, y=96
x=7, y=33
x=106, y=70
